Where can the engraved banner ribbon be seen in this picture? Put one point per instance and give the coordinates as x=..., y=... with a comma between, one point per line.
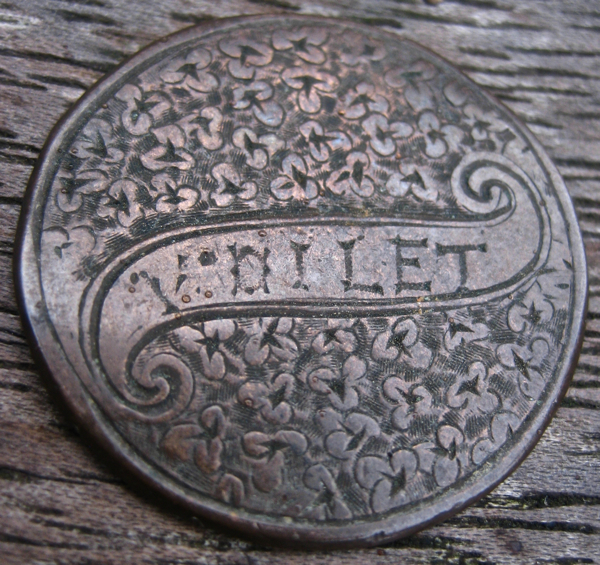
x=325, y=267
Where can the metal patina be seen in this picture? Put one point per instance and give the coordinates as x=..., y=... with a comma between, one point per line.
x=303, y=277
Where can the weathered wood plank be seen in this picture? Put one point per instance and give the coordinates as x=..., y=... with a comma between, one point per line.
x=59, y=500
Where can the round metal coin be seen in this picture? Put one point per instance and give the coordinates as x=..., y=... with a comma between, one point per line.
x=304, y=277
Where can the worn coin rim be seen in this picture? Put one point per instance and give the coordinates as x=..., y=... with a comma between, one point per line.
x=362, y=532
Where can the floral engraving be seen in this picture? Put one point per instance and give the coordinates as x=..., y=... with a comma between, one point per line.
x=190, y=72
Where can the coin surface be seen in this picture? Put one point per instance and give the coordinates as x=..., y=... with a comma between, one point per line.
x=303, y=277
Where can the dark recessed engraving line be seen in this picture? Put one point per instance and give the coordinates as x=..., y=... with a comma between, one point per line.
x=348, y=248
x=461, y=251
x=249, y=251
x=299, y=250
x=402, y=262
x=154, y=284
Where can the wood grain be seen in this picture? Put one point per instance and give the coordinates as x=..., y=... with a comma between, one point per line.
x=61, y=502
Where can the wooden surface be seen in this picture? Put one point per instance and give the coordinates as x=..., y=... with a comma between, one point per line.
x=61, y=502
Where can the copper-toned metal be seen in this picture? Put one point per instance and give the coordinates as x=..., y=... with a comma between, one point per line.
x=303, y=277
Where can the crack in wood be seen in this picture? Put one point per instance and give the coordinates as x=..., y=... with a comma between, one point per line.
x=86, y=18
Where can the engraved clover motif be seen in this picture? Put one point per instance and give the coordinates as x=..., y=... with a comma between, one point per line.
x=460, y=332
x=352, y=177
x=382, y=134
x=207, y=342
x=189, y=72
x=345, y=438
x=97, y=143
x=257, y=150
x=435, y=143
x=456, y=93
x=257, y=96
x=362, y=49
x=413, y=402
x=337, y=335
x=246, y=55
x=533, y=309
x=172, y=196
x=450, y=455
x=329, y=503
x=342, y=389
x=470, y=391
x=362, y=99
x=170, y=152
x=203, y=443
x=304, y=42
x=413, y=179
x=402, y=342
x=295, y=183
x=69, y=196
x=68, y=245
x=481, y=122
x=527, y=362
x=267, y=454
x=121, y=203
x=143, y=108
x=444, y=458
x=504, y=424
x=270, y=335
x=270, y=398
x=413, y=82
x=230, y=186
x=205, y=127
x=387, y=479
x=321, y=143
x=310, y=83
